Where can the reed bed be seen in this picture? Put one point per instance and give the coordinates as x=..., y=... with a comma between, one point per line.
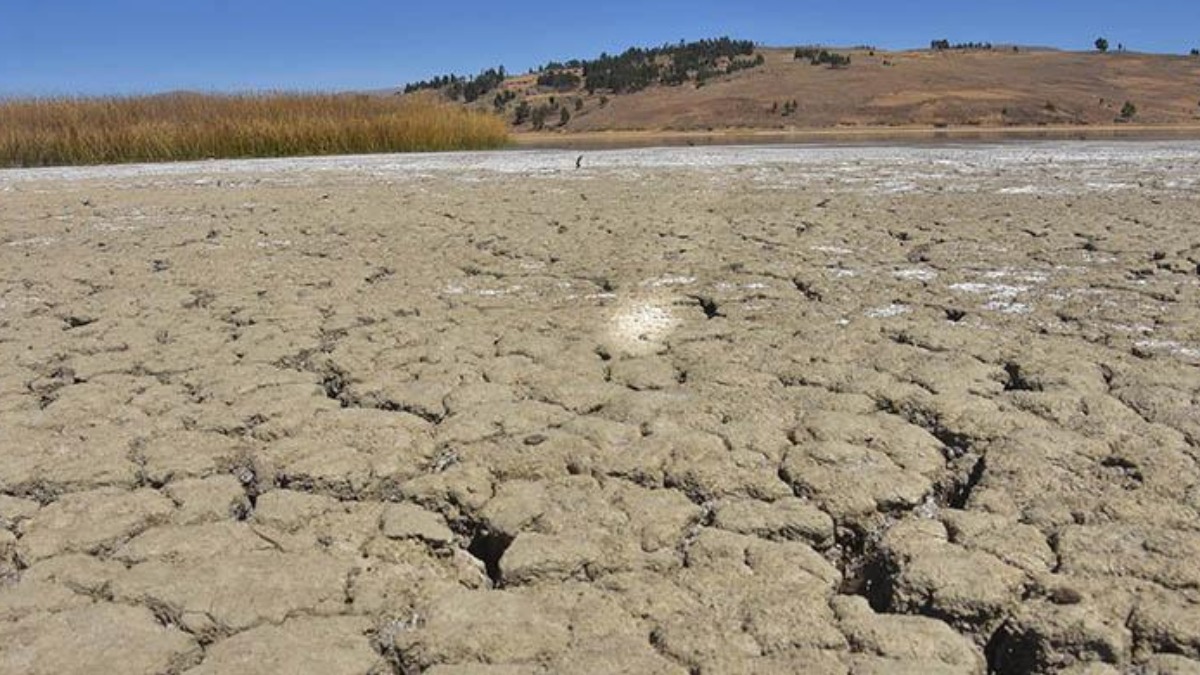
x=175, y=127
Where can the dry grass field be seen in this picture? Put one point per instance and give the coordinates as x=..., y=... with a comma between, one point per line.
x=187, y=126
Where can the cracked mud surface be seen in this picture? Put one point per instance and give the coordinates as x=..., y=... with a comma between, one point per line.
x=710, y=411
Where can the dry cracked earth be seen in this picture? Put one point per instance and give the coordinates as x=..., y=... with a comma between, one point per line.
x=774, y=410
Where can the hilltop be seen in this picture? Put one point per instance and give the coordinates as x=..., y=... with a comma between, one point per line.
x=735, y=85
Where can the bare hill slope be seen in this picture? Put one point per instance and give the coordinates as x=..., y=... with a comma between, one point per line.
x=995, y=88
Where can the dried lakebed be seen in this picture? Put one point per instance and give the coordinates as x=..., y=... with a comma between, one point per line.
x=721, y=410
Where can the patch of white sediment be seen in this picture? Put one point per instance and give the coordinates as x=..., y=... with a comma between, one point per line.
x=640, y=326
x=670, y=280
x=888, y=311
x=915, y=274
x=994, y=291
x=1170, y=347
x=1000, y=297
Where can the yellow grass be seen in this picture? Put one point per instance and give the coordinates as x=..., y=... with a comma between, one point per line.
x=45, y=132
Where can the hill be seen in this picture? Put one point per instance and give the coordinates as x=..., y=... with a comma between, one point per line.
x=782, y=89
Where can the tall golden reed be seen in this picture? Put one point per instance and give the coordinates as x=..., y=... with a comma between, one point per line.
x=172, y=127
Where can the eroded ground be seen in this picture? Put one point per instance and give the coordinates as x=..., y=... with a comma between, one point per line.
x=686, y=411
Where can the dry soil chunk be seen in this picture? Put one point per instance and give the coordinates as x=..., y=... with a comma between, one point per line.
x=181, y=454
x=787, y=518
x=102, y=638
x=905, y=638
x=1022, y=546
x=192, y=542
x=14, y=510
x=289, y=510
x=210, y=499
x=320, y=646
x=1165, y=556
x=494, y=627
x=1169, y=664
x=86, y=521
x=240, y=590
x=971, y=588
x=408, y=521
x=91, y=457
x=853, y=481
x=1170, y=625
x=534, y=557
x=1042, y=637
x=33, y=595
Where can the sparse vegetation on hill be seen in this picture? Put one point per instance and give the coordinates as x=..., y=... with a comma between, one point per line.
x=944, y=45
x=502, y=99
x=977, y=84
x=637, y=68
x=979, y=88
x=819, y=57
x=560, y=80
x=194, y=126
x=457, y=87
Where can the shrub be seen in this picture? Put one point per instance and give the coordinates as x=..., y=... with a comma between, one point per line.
x=522, y=114
x=538, y=117
x=1101, y=45
x=831, y=59
x=1128, y=111
x=502, y=99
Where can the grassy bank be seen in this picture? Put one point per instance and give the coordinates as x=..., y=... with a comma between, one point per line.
x=47, y=132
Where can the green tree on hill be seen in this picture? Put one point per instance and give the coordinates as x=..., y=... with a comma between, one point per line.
x=457, y=87
x=522, y=114
x=1101, y=45
x=831, y=59
x=538, y=117
x=1195, y=52
x=671, y=64
x=559, y=80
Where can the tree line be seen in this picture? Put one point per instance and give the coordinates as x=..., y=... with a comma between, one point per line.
x=671, y=64
x=457, y=87
x=560, y=80
x=821, y=57
x=944, y=45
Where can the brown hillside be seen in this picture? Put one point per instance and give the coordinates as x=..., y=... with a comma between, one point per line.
x=922, y=88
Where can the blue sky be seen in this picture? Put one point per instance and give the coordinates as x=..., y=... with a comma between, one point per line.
x=137, y=46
